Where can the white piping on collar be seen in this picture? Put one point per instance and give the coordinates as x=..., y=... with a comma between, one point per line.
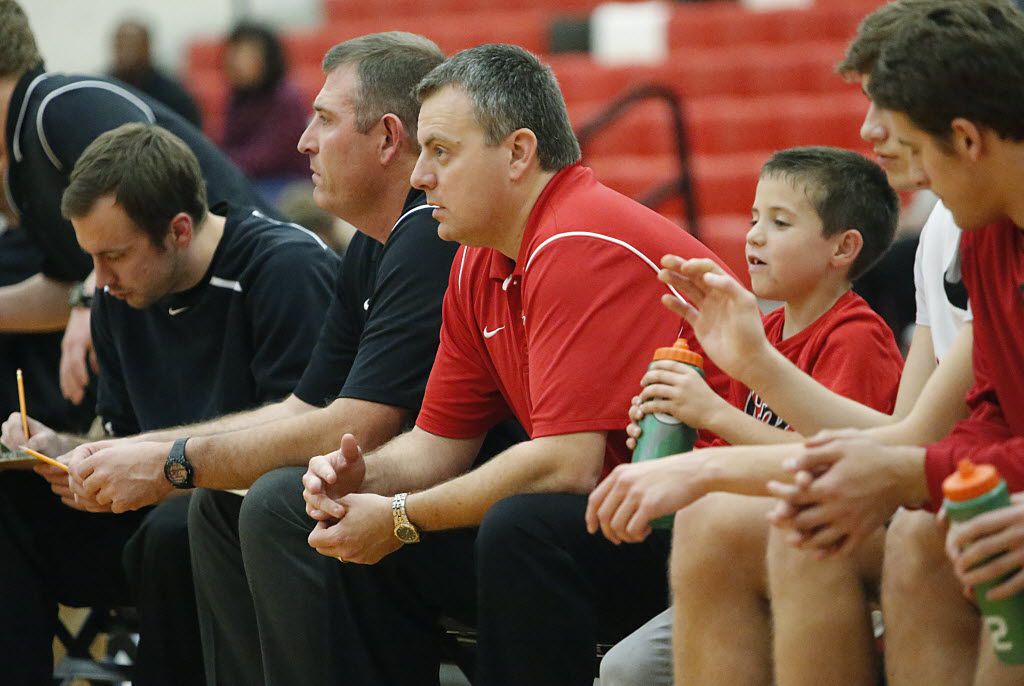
x=407, y=213
x=300, y=227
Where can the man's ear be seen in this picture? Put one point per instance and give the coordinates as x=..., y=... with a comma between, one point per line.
x=848, y=245
x=393, y=138
x=523, y=148
x=968, y=138
x=182, y=230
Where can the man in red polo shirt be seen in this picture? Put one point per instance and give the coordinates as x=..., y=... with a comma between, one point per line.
x=551, y=316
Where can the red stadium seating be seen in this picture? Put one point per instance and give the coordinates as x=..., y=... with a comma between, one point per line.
x=751, y=83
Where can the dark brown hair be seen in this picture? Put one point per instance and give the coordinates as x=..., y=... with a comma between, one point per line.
x=150, y=172
x=847, y=191
x=963, y=59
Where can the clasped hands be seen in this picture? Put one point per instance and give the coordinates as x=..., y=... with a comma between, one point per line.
x=350, y=526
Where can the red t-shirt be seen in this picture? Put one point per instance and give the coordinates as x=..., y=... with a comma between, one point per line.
x=992, y=261
x=561, y=337
x=850, y=350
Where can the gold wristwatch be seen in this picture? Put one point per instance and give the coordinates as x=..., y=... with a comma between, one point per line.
x=404, y=529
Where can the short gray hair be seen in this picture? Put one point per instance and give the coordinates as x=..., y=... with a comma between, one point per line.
x=389, y=66
x=511, y=89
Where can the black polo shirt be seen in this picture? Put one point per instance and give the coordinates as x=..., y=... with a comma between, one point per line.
x=52, y=118
x=381, y=333
x=240, y=338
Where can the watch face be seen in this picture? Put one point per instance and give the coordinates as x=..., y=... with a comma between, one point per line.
x=406, y=534
x=177, y=473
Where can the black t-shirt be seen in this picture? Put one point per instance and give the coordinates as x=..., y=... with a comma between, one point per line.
x=238, y=339
x=52, y=118
x=381, y=333
x=36, y=354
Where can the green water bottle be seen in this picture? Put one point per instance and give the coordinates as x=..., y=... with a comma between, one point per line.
x=663, y=434
x=973, y=490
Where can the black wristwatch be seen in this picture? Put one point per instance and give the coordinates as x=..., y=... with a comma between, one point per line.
x=77, y=297
x=178, y=470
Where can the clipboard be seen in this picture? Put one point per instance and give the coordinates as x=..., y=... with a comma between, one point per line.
x=15, y=459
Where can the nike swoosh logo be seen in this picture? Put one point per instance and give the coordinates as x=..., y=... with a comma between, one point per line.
x=492, y=334
x=176, y=310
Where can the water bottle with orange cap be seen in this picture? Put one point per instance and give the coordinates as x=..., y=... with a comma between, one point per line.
x=970, y=491
x=662, y=434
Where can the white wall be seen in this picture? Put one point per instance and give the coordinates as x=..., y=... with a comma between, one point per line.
x=75, y=35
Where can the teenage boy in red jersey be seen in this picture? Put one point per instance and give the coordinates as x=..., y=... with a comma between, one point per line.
x=821, y=217
x=947, y=80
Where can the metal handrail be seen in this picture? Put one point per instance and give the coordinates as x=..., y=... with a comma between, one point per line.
x=683, y=185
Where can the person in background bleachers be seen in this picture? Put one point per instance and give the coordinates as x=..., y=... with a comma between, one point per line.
x=266, y=113
x=133, y=64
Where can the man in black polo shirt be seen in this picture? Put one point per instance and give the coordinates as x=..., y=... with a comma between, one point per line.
x=200, y=313
x=47, y=120
x=271, y=620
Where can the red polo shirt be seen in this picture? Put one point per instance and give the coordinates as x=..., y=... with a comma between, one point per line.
x=992, y=261
x=561, y=337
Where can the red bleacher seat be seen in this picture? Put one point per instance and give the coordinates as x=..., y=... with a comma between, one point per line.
x=731, y=125
x=724, y=183
x=353, y=9
x=727, y=23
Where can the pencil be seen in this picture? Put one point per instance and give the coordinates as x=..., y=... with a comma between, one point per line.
x=43, y=458
x=21, y=403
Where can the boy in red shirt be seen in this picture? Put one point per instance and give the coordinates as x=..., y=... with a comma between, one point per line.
x=821, y=217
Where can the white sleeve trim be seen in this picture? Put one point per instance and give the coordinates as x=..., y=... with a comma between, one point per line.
x=225, y=283
x=590, y=234
x=102, y=85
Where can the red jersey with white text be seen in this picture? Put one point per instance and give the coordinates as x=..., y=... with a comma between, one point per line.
x=561, y=336
x=992, y=262
x=850, y=350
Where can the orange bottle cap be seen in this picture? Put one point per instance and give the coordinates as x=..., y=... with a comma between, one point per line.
x=970, y=480
x=680, y=352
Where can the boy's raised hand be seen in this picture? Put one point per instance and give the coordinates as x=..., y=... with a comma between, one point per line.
x=723, y=314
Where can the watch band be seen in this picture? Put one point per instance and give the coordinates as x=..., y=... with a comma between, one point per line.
x=178, y=470
x=405, y=531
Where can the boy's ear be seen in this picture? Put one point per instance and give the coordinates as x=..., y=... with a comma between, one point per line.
x=848, y=245
x=967, y=138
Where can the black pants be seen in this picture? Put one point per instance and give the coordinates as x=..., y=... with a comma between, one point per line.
x=539, y=589
x=157, y=562
x=53, y=554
